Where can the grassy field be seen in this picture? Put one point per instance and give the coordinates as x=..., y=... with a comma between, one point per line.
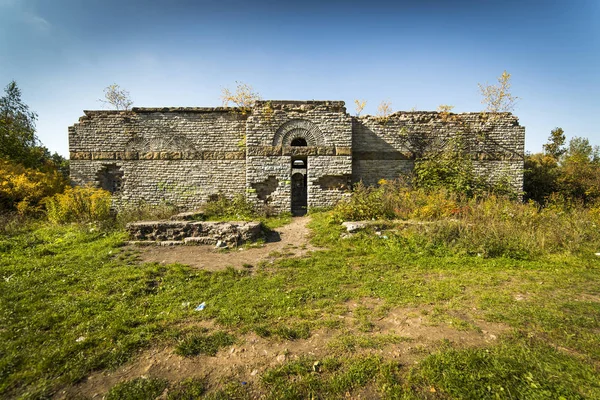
x=74, y=300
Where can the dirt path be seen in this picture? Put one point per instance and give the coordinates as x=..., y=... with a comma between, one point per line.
x=290, y=240
x=252, y=355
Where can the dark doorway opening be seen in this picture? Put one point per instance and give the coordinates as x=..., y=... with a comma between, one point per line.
x=299, y=185
x=299, y=194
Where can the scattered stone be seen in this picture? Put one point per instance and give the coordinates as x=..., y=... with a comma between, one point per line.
x=354, y=226
x=281, y=358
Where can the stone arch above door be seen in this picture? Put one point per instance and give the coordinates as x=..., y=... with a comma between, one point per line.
x=298, y=129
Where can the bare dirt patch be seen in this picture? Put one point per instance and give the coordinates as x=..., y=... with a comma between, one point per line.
x=247, y=360
x=290, y=240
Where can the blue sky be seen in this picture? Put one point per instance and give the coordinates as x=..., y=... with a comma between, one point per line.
x=420, y=54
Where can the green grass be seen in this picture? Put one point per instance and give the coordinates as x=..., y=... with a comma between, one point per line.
x=73, y=301
x=137, y=389
x=196, y=344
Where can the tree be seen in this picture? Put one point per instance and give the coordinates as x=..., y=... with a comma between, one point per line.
x=18, y=141
x=498, y=98
x=384, y=109
x=117, y=97
x=580, y=172
x=555, y=146
x=360, y=106
x=540, y=178
x=243, y=97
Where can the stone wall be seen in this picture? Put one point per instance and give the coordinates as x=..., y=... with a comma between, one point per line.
x=386, y=147
x=175, y=155
x=184, y=155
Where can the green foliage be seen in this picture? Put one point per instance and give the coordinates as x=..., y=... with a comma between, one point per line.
x=567, y=175
x=220, y=206
x=24, y=189
x=18, y=141
x=452, y=170
x=540, y=178
x=137, y=389
x=17, y=128
x=580, y=172
x=79, y=204
x=143, y=211
x=555, y=146
x=491, y=226
x=204, y=344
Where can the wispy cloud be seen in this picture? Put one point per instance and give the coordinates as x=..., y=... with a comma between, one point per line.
x=36, y=21
x=19, y=10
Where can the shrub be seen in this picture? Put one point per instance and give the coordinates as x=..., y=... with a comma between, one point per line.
x=23, y=189
x=238, y=207
x=490, y=226
x=79, y=204
x=144, y=211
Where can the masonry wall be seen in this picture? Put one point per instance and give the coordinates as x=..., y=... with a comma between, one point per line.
x=184, y=155
x=179, y=156
x=325, y=126
x=387, y=148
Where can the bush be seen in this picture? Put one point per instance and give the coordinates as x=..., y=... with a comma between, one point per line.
x=490, y=226
x=144, y=211
x=452, y=170
x=23, y=189
x=396, y=200
x=79, y=204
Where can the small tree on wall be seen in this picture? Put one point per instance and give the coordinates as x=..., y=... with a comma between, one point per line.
x=116, y=97
x=498, y=98
x=243, y=97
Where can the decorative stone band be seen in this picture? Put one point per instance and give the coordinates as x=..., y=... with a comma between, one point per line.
x=270, y=151
x=158, y=155
x=298, y=151
x=397, y=155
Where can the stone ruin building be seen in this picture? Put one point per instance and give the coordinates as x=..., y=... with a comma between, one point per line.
x=292, y=155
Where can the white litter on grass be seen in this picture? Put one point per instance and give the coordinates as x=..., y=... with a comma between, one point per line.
x=597, y=254
x=200, y=307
